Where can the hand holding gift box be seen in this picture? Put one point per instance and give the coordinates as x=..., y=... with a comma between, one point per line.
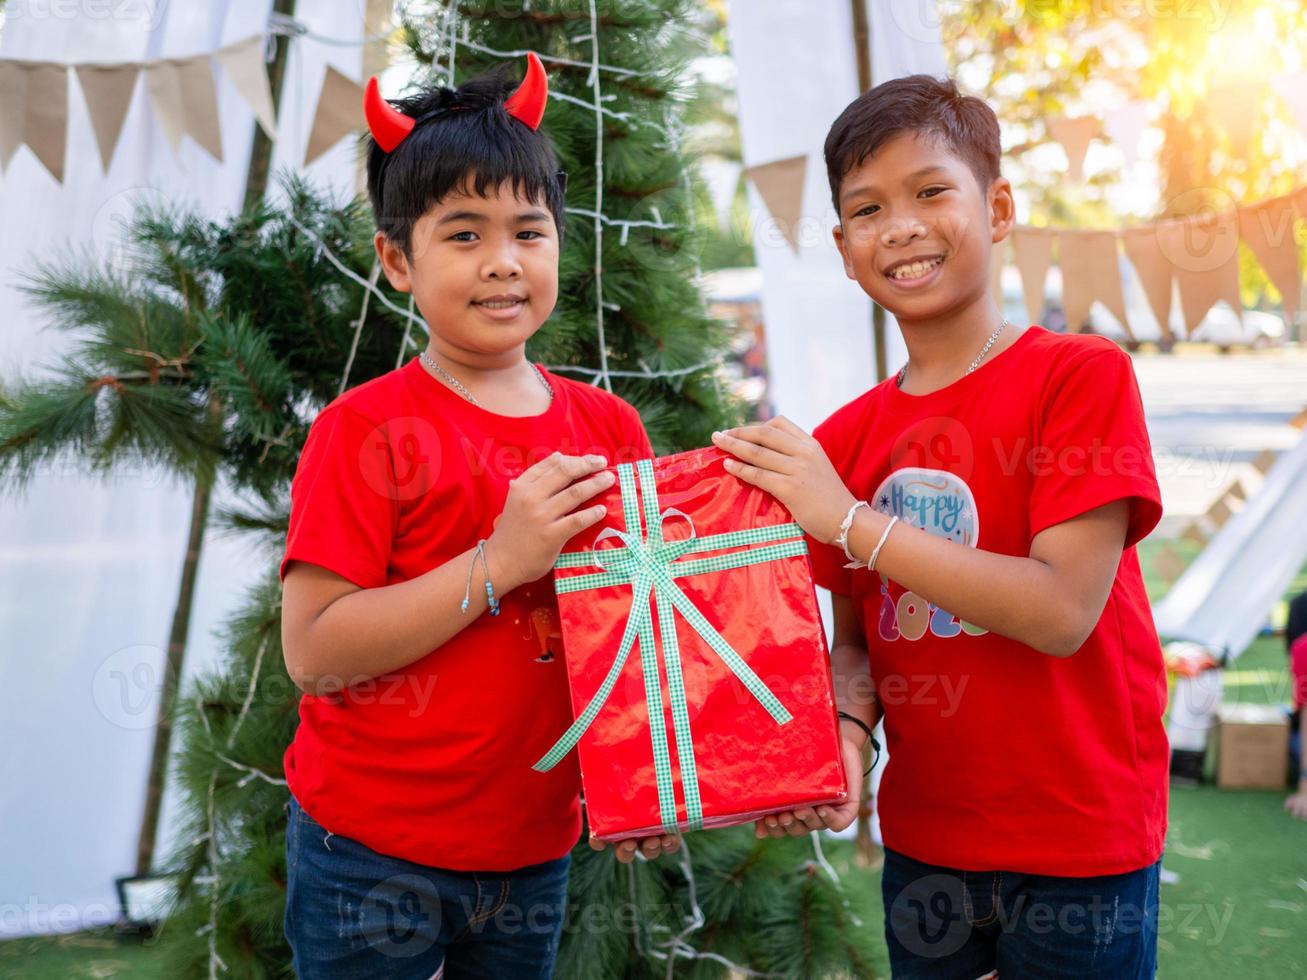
x=730, y=698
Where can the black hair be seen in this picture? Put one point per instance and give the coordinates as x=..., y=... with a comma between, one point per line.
x=470, y=146
x=932, y=107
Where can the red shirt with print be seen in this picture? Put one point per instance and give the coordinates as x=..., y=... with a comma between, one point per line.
x=432, y=763
x=1002, y=757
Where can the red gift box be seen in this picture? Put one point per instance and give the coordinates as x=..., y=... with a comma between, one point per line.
x=691, y=605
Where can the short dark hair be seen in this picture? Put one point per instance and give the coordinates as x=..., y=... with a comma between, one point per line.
x=472, y=147
x=921, y=104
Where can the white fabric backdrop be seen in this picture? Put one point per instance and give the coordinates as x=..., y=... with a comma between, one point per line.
x=89, y=569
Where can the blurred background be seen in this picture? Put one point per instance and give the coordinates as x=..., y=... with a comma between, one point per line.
x=186, y=277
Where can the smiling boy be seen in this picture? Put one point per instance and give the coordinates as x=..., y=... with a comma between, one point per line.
x=975, y=518
x=418, y=616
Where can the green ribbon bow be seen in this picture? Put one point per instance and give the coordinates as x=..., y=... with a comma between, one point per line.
x=650, y=565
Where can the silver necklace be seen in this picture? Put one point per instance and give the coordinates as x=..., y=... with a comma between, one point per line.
x=454, y=383
x=974, y=364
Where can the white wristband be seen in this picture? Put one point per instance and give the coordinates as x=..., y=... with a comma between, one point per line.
x=843, y=539
x=871, y=562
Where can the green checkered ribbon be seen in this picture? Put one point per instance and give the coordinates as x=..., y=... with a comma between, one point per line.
x=650, y=565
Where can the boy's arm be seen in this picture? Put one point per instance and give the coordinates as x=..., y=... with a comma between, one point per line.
x=335, y=633
x=855, y=691
x=1070, y=568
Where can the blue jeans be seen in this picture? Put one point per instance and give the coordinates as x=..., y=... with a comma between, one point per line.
x=351, y=912
x=959, y=925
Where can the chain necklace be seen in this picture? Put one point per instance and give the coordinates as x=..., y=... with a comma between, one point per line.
x=974, y=364
x=454, y=383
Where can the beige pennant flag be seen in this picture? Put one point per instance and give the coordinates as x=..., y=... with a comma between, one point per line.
x=45, y=127
x=780, y=184
x=1268, y=230
x=13, y=109
x=200, y=103
x=164, y=86
x=1265, y=460
x=1219, y=513
x=1124, y=127
x=339, y=112
x=1091, y=271
x=1237, y=108
x=1155, y=273
x=243, y=63
x=107, y=90
x=1195, y=534
x=1032, y=249
x=1074, y=134
x=1236, y=491
x=1204, y=250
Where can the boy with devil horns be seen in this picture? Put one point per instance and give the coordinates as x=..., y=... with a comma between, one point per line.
x=427, y=510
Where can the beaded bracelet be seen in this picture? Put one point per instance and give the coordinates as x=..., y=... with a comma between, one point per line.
x=490, y=589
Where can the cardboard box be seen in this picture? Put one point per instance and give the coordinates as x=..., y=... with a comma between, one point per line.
x=1252, y=747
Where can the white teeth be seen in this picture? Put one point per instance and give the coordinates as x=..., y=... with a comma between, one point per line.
x=501, y=304
x=915, y=270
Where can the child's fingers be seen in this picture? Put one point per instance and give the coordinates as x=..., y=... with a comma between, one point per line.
x=751, y=452
x=571, y=497
x=557, y=471
x=574, y=524
x=596, y=844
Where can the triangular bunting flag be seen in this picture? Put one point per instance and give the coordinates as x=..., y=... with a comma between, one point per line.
x=107, y=90
x=1124, y=127
x=1204, y=250
x=13, y=109
x=1265, y=460
x=244, y=66
x=780, y=184
x=1032, y=249
x=163, y=83
x=1090, y=271
x=339, y=112
x=1268, y=230
x=1074, y=134
x=45, y=130
x=200, y=103
x=1154, y=271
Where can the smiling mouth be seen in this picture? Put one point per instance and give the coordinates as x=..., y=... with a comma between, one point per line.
x=915, y=270
x=501, y=304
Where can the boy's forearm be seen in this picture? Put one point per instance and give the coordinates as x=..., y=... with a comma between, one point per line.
x=855, y=691
x=371, y=632
x=995, y=592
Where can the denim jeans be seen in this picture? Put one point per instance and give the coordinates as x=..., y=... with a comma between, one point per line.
x=351, y=912
x=959, y=925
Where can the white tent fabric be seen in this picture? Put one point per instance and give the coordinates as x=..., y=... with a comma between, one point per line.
x=89, y=569
x=797, y=72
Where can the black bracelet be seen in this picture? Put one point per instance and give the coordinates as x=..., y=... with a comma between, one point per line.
x=875, y=746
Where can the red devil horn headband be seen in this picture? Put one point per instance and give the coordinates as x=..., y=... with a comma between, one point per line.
x=389, y=126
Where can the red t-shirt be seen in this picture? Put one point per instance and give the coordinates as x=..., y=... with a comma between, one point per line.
x=1298, y=671
x=1002, y=757
x=432, y=763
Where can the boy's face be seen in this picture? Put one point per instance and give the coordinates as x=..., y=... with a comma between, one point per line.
x=916, y=229
x=484, y=271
